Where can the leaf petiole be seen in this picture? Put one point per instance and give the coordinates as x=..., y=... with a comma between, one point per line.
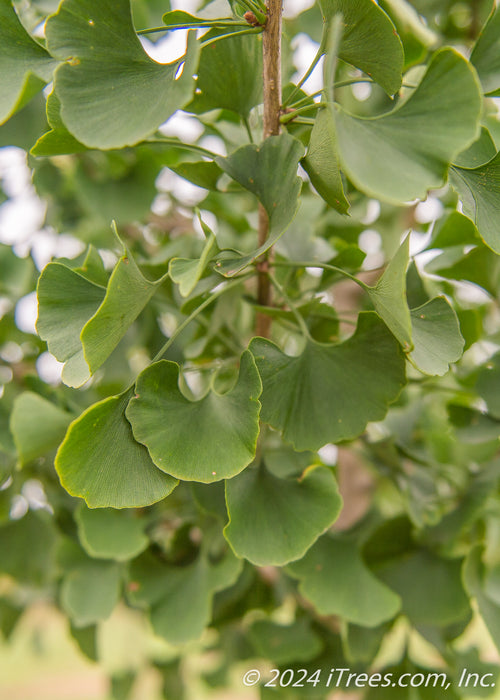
x=202, y=24
x=183, y=146
x=291, y=305
x=250, y=30
x=320, y=52
x=222, y=288
x=323, y=266
x=248, y=129
x=290, y=116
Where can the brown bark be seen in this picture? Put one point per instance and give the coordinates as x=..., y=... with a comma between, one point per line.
x=271, y=52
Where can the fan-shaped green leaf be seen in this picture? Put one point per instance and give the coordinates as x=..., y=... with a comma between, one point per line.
x=206, y=440
x=479, y=190
x=389, y=296
x=180, y=597
x=229, y=74
x=369, y=40
x=90, y=592
x=66, y=301
x=417, y=37
x=16, y=274
x=480, y=265
x=335, y=579
x=81, y=321
x=420, y=138
x=255, y=168
x=285, y=644
x=486, y=54
x=415, y=574
x=28, y=548
x=330, y=392
x=57, y=141
x=37, y=425
x=187, y=273
x=25, y=65
x=203, y=173
x=454, y=230
x=112, y=94
x=101, y=462
x=127, y=294
x=110, y=534
x=436, y=337
x=479, y=153
x=361, y=644
x=321, y=161
x=273, y=521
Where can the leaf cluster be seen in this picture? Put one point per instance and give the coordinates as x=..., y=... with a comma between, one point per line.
x=202, y=475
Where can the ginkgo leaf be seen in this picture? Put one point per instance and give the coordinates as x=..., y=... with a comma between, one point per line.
x=66, y=301
x=101, y=462
x=478, y=153
x=255, y=168
x=414, y=574
x=206, y=440
x=90, y=592
x=454, y=230
x=35, y=534
x=112, y=94
x=222, y=65
x=389, y=296
x=321, y=161
x=417, y=37
x=285, y=644
x=57, y=141
x=110, y=534
x=37, y=425
x=485, y=55
x=369, y=40
x=273, y=521
x=479, y=266
x=436, y=337
x=25, y=65
x=187, y=273
x=83, y=322
x=400, y=155
x=330, y=392
x=335, y=579
x=180, y=597
x=479, y=190
x=202, y=173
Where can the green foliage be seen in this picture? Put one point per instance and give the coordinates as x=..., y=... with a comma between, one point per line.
x=273, y=520
x=26, y=66
x=100, y=461
x=206, y=440
x=419, y=138
x=369, y=40
x=192, y=468
x=103, y=91
x=363, y=375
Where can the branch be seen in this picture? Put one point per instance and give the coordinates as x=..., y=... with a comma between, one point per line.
x=271, y=52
